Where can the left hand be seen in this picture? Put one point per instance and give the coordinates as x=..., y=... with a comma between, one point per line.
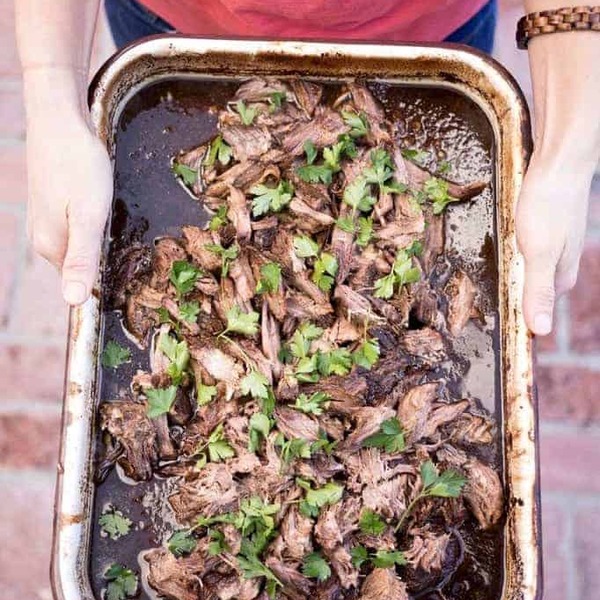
x=551, y=223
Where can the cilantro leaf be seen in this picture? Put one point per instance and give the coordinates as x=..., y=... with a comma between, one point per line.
x=315, y=174
x=310, y=331
x=359, y=555
x=444, y=167
x=183, y=276
x=205, y=393
x=357, y=194
x=271, y=199
x=390, y=437
x=254, y=384
x=114, y=355
x=402, y=273
x=242, y=322
x=365, y=231
x=447, y=485
x=217, y=545
x=219, y=150
x=417, y=156
x=260, y=425
x=114, y=523
x=160, y=400
x=325, y=270
x=335, y=362
x=305, y=247
x=276, y=99
x=251, y=567
x=178, y=355
x=226, y=254
x=311, y=151
x=367, y=354
x=219, y=219
x=122, y=582
x=181, y=543
x=270, y=278
x=346, y=224
x=384, y=286
x=218, y=448
x=316, y=567
x=384, y=559
x=437, y=191
x=187, y=174
x=330, y=493
x=312, y=404
x=188, y=311
x=247, y=113
x=296, y=448
x=371, y=523
x=358, y=123
x=381, y=169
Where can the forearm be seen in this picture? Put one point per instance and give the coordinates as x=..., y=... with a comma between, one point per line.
x=566, y=89
x=55, y=40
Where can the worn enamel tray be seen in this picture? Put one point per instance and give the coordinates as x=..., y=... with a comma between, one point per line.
x=452, y=68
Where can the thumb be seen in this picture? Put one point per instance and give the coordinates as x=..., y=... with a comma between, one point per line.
x=540, y=294
x=81, y=260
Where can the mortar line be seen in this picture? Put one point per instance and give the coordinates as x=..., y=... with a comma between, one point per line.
x=569, y=428
x=570, y=359
x=32, y=407
x=10, y=142
x=14, y=208
x=33, y=341
x=21, y=264
x=566, y=499
x=27, y=475
x=11, y=82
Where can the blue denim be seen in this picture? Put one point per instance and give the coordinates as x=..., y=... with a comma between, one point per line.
x=129, y=21
x=478, y=32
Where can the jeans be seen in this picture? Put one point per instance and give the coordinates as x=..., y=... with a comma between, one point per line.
x=130, y=21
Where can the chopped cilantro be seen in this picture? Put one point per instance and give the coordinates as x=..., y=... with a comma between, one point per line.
x=371, y=523
x=188, y=311
x=335, y=362
x=247, y=113
x=242, y=322
x=402, y=273
x=219, y=219
x=311, y=151
x=187, y=174
x=357, y=194
x=114, y=355
x=114, y=523
x=276, y=100
x=122, y=582
x=205, y=393
x=325, y=270
x=178, y=355
x=367, y=354
x=365, y=231
x=254, y=384
x=183, y=276
x=316, y=567
x=385, y=559
x=315, y=499
x=437, y=191
x=417, y=156
x=260, y=425
x=305, y=247
x=359, y=555
x=220, y=151
x=226, y=254
x=271, y=199
x=181, y=543
x=160, y=400
x=358, y=124
x=312, y=404
x=270, y=278
x=218, y=448
x=390, y=437
x=315, y=174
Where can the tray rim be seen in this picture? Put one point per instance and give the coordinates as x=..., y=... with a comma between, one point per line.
x=471, y=73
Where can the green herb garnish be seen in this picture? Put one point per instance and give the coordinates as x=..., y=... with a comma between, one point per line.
x=114, y=355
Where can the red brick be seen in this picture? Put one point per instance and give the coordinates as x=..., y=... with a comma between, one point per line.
x=9, y=62
x=31, y=372
x=13, y=179
x=10, y=229
x=547, y=343
x=568, y=393
x=12, y=113
x=555, y=565
x=585, y=316
x=19, y=430
x=39, y=308
x=587, y=536
x=569, y=462
x=26, y=517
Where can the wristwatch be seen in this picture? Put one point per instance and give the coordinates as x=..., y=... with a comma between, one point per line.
x=571, y=18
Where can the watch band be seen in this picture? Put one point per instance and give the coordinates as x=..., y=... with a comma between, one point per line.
x=572, y=18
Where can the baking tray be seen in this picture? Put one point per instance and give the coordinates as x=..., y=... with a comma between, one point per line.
x=450, y=67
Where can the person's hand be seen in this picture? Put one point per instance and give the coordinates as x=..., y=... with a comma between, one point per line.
x=70, y=190
x=551, y=223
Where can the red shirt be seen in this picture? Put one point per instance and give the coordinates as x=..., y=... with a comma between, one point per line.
x=382, y=20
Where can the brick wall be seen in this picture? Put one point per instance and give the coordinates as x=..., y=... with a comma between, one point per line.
x=32, y=337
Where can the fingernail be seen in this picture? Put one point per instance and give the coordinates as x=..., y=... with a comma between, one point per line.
x=542, y=324
x=74, y=292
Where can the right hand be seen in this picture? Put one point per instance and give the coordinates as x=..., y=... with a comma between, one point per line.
x=70, y=191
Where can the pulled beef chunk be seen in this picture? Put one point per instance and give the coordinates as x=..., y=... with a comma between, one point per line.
x=166, y=252
x=323, y=130
x=367, y=422
x=433, y=246
x=247, y=142
x=483, y=493
x=296, y=425
x=414, y=409
x=213, y=492
x=383, y=584
x=196, y=242
x=473, y=429
x=308, y=95
x=295, y=540
x=127, y=269
x=128, y=424
x=296, y=585
x=425, y=343
x=428, y=550
x=219, y=366
x=175, y=579
x=239, y=214
x=461, y=293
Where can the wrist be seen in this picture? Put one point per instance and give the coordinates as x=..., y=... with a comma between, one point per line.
x=58, y=93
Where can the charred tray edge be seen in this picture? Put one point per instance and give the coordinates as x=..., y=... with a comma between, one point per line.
x=469, y=72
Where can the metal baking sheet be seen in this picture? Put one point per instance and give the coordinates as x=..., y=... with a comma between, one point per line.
x=463, y=73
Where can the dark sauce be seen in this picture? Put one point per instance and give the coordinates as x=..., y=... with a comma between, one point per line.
x=173, y=114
